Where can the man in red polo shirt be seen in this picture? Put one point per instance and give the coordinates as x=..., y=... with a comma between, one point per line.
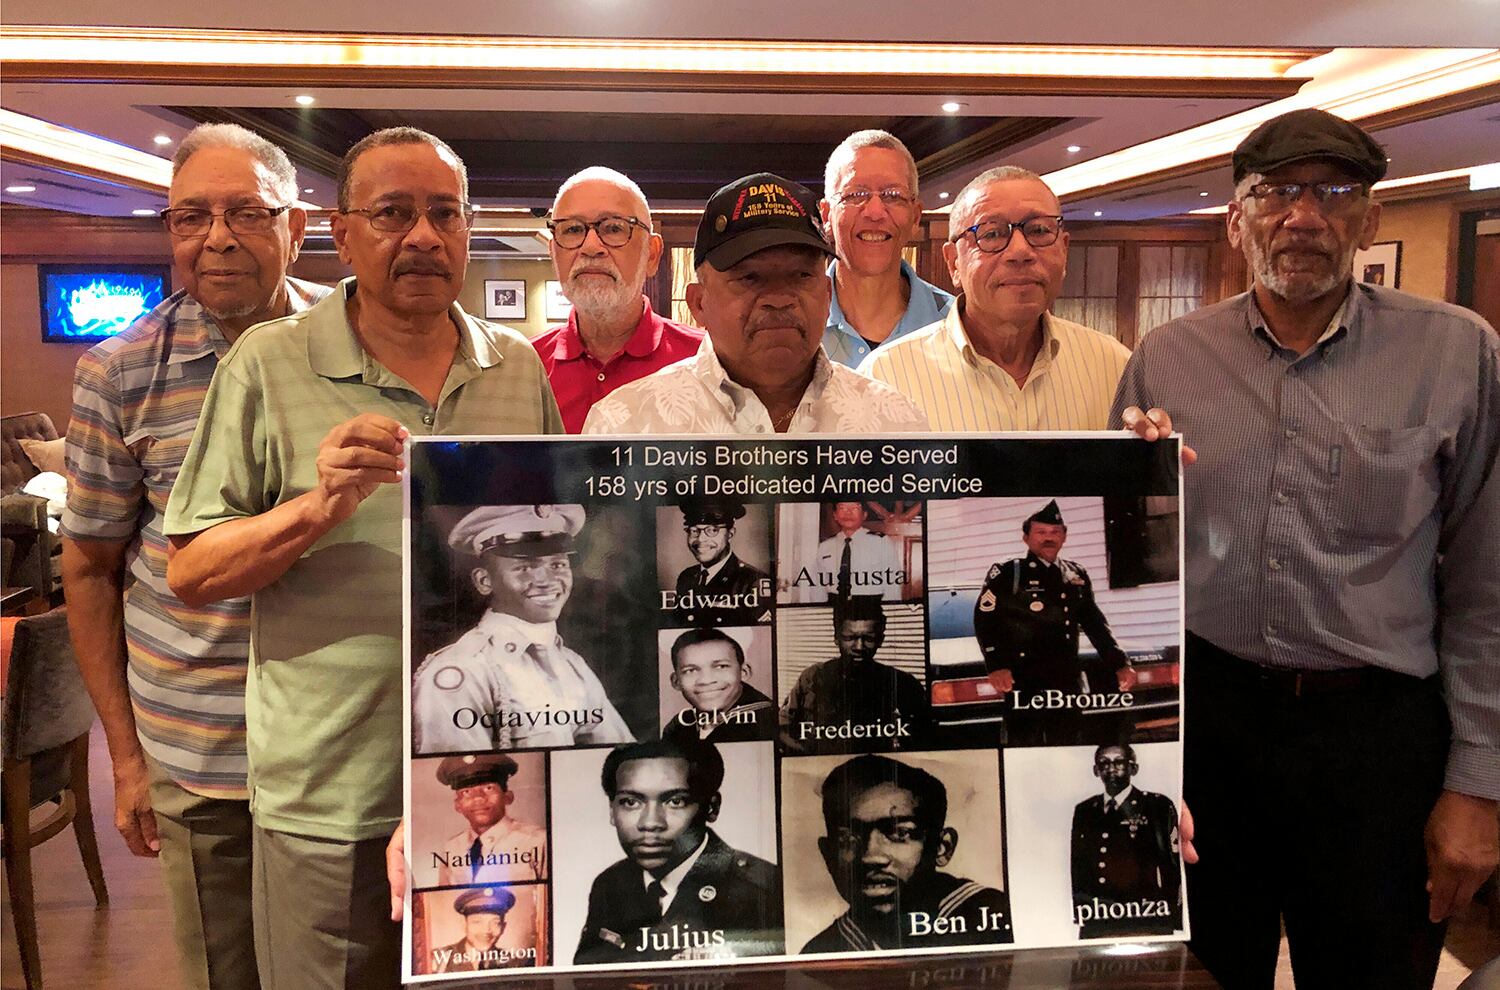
x=604, y=249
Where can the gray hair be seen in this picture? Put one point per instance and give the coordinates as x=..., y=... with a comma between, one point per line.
x=602, y=173
x=234, y=136
x=392, y=136
x=1000, y=173
x=867, y=139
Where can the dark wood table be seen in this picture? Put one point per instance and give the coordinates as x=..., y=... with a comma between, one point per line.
x=1154, y=967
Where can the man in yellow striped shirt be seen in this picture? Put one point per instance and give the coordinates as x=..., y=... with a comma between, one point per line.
x=999, y=360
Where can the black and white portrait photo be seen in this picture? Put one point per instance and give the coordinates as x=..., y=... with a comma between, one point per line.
x=716, y=684
x=841, y=549
x=713, y=562
x=478, y=818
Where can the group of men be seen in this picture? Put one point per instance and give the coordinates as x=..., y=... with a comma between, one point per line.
x=1339, y=554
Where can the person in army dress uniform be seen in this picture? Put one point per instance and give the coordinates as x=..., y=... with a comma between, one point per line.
x=1126, y=867
x=681, y=892
x=720, y=589
x=495, y=847
x=484, y=913
x=887, y=838
x=709, y=668
x=1027, y=619
x=511, y=682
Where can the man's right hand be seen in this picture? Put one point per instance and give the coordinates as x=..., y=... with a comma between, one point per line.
x=1003, y=680
x=133, y=816
x=1154, y=424
x=355, y=458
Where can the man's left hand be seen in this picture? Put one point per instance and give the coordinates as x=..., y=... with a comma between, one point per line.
x=1153, y=424
x=395, y=870
x=1126, y=677
x=1463, y=846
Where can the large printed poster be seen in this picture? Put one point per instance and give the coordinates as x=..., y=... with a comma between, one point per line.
x=730, y=699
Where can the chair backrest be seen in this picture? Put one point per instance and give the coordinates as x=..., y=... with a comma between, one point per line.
x=15, y=467
x=46, y=704
x=27, y=560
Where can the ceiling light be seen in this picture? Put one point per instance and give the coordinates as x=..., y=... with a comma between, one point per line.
x=20, y=189
x=1098, y=213
x=1074, y=149
x=305, y=101
x=942, y=195
x=161, y=139
x=1200, y=194
x=143, y=213
x=952, y=107
x=308, y=189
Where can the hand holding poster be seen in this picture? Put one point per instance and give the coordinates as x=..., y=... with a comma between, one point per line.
x=723, y=699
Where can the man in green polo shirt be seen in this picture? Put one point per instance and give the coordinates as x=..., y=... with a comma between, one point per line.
x=287, y=494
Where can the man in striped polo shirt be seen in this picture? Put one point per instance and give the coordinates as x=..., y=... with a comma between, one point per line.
x=999, y=360
x=169, y=679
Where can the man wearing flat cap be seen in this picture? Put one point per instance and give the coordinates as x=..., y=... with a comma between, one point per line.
x=1027, y=620
x=511, y=682
x=762, y=295
x=484, y=911
x=1342, y=752
x=720, y=589
x=494, y=848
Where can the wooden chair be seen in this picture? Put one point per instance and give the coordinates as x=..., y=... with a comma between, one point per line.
x=45, y=741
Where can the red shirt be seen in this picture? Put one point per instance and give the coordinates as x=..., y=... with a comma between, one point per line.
x=579, y=381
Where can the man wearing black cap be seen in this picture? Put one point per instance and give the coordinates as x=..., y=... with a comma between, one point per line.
x=762, y=295
x=1341, y=561
x=720, y=589
x=495, y=847
x=511, y=682
x=484, y=913
x=1027, y=619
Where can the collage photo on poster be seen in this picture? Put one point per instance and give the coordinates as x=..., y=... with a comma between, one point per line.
x=713, y=729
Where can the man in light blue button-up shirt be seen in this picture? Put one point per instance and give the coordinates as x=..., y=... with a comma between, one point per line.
x=870, y=211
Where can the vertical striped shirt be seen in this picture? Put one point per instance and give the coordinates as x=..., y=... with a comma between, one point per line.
x=1345, y=505
x=1070, y=387
x=136, y=399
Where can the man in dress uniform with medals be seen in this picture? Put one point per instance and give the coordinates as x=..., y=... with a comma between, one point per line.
x=495, y=848
x=511, y=682
x=1126, y=870
x=720, y=589
x=484, y=913
x=1027, y=620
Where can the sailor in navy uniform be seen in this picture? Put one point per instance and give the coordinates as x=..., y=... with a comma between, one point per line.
x=709, y=668
x=680, y=892
x=1027, y=620
x=1126, y=866
x=484, y=911
x=720, y=589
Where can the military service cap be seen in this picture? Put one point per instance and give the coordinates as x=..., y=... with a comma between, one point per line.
x=459, y=772
x=719, y=512
x=485, y=900
x=518, y=530
x=1048, y=514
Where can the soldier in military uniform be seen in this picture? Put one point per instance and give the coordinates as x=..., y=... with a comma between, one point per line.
x=887, y=838
x=1126, y=867
x=484, y=913
x=680, y=892
x=511, y=682
x=494, y=848
x=720, y=589
x=709, y=668
x=1027, y=620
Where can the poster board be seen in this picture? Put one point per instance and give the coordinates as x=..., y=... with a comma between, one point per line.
x=700, y=700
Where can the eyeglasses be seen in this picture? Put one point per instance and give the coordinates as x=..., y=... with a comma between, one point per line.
x=612, y=231
x=190, y=222
x=394, y=218
x=1278, y=197
x=891, y=199
x=704, y=530
x=993, y=236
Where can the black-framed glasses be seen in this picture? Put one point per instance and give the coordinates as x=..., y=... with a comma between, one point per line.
x=398, y=218
x=993, y=236
x=1278, y=197
x=187, y=221
x=706, y=529
x=891, y=198
x=571, y=232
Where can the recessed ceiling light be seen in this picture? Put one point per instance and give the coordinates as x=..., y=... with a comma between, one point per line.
x=308, y=189
x=162, y=139
x=20, y=189
x=143, y=213
x=305, y=101
x=952, y=106
x=1074, y=149
x=1098, y=213
x=942, y=195
x=1203, y=194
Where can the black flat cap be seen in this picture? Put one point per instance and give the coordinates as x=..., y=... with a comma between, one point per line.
x=1306, y=134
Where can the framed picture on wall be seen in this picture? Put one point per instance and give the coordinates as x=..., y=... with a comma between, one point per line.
x=504, y=299
x=558, y=306
x=1381, y=265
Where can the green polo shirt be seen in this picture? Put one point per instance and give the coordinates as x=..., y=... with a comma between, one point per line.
x=323, y=704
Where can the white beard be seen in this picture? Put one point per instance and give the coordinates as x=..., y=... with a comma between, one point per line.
x=602, y=302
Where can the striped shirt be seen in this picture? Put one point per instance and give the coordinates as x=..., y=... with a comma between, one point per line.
x=1345, y=505
x=1070, y=386
x=323, y=701
x=136, y=399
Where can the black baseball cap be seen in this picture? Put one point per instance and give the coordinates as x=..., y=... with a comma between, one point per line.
x=1305, y=134
x=754, y=213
